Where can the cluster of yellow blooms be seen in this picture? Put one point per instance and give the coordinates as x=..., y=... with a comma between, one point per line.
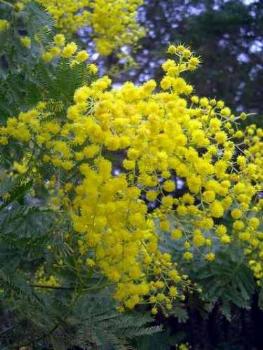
x=161, y=135
x=113, y=22
x=44, y=280
x=4, y=25
x=59, y=49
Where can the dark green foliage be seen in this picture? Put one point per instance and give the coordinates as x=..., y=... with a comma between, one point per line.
x=24, y=78
x=59, y=82
x=100, y=326
x=73, y=314
x=161, y=341
x=227, y=280
x=17, y=63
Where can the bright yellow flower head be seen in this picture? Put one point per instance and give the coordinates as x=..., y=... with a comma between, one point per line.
x=113, y=22
x=127, y=151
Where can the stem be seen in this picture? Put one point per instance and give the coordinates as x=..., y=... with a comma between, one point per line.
x=50, y=287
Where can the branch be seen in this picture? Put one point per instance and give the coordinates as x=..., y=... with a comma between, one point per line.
x=50, y=287
x=6, y=3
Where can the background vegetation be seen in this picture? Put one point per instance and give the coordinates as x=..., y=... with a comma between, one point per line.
x=226, y=34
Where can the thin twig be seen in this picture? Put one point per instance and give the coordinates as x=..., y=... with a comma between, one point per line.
x=50, y=287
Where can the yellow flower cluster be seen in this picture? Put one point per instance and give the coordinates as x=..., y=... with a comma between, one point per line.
x=26, y=41
x=113, y=22
x=4, y=25
x=60, y=49
x=162, y=137
x=43, y=280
